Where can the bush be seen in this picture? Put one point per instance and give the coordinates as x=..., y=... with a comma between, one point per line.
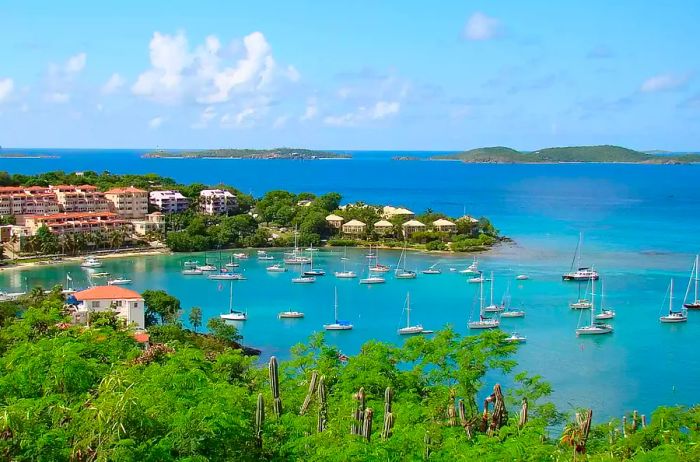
x=435, y=245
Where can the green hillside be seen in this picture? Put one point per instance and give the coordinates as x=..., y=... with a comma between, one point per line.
x=275, y=153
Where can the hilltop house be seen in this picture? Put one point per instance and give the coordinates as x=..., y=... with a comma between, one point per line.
x=444, y=225
x=383, y=227
x=334, y=221
x=128, y=304
x=354, y=227
x=412, y=226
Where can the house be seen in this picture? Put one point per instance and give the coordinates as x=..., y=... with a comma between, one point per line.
x=129, y=203
x=383, y=227
x=67, y=223
x=390, y=212
x=468, y=219
x=444, y=225
x=128, y=304
x=354, y=227
x=334, y=221
x=412, y=226
x=154, y=222
x=168, y=201
x=217, y=201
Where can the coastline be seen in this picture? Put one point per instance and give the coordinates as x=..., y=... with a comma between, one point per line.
x=72, y=259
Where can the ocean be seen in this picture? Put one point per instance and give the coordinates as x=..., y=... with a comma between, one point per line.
x=640, y=226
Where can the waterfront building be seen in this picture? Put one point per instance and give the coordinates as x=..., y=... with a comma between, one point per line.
x=154, y=222
x=66, y=223
x=34, y=200
x=383, y=227
x=169, y=201
x=127, y=304
x=354, y=227
x=390, y=212
x=217, y=201
x=444, y=225
x=129, y=203
x=334, y=221
x=412, y=226
x=84, y=198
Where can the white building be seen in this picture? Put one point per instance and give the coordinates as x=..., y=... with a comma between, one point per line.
x=217, y=201
x=154, y=222
x=390, y=212
x=169, y=201
x=128, y=304
x=129, y=203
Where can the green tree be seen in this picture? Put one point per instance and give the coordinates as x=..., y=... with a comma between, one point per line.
x=195, y=317
x=160, y=307
x=223, y=330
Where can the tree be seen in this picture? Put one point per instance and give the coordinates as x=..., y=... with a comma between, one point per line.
x=196, y=317
x=223, y=331
x=160, y=307
x=48, y=241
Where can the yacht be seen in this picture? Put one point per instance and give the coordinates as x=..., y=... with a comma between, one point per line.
x=522, y=277
x=240, y=256
x=432, y=270
x=581, y=302
x=295, y=257
x=695, y=303
x=594, y=327
x=190, y=263
x=516, y=338
x=582, y=273
x=371, y=279
x=673, y=316
x=101, y=274
x=483, y=322
x=276, y=268
x=338, y=324
x=119, y=281
x=605, y=313
x=401, y=272
x=206, y=267
x=192, y=272
x=409, y=329
x=492, y=307
x=513, y=314
x=263, y=255
x=290, y=315
x=377, y=267
x=304, y=280
x=224, y=276
x=472, y=269
x=91, y=262
x=314, y=271
x=232, y=314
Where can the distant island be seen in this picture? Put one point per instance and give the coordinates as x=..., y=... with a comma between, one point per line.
x=21, y=155
x=571, y=154
x=406, y=158
x=275, y=153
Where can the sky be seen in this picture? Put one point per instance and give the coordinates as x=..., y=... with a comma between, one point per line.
x=376, y=75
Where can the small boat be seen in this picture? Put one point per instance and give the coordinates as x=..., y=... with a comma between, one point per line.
x=276, y=268
x=304, y=280
x=190, y=263
x=409, y=329
x=345, y=274
x=192, y=272
x=5, y=296
x=290, y=315
x=295, y=257
x=695, y=303
x=478, y=279
x=472, y=269
x=118, y=282
x=605, y=313
x=345, y=254
x=377, y=267
x=581, y=302
x=338, y=324
x=582, y=273
x=483, y=322
x=226, y=277
x=594, y=327
x=232, y=314
x=522, y=277
x=513, y=314
x=453, y=270
x=373, y=280
x=207, y=267
x=265, y=257
x=515, y=338
x=674, y=316
x=314, y=271
x=241, y=256
x=91, y=262
x=492, y=307
x=401, y=272
x=232, y=265
x=99, y=275
x=432, y=270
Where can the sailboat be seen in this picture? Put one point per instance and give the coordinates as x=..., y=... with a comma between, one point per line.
x=492, y=307
x=345, y=254
x=432, y=269
x=409, y=329
x=345, y=274
x=507, y=312
x=231, y=263
x=295, y=257
x=695, y=304
x=401, y=272
x=377, y=267
x=582, y=273
x=673, y=316
x=303, y=278
x=605, y=313
x=581, y=303
x=372, y=278
x=232, y=314
x=263, y=255
x=472, y=269
x=338, y=324
x=478, y=279
x=595, y=327
x=206, y=266
x=276, y=268
x=314, y=271
x=483, y=322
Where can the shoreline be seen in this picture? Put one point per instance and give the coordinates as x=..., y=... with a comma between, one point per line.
x=73, y=259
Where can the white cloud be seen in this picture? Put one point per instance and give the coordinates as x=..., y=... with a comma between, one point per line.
x=58, y=97
x=155, y=122
x=481, y=27
x=311, y=110
x=60, y=78
x=379, y=111
x=207, y=115
x=663, y=82
x=76, y=64
x=244, y=118
x=280, y=122
x=114, y=83
x=7, y=85
x=203, y=75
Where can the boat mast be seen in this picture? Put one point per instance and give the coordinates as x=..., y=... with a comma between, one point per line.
x=491, y=287
x=481, y=298
x=230, y=297
x=696, y=279
x=335, y=304
x=408, y=309
x=670, y=299
x=592, y=301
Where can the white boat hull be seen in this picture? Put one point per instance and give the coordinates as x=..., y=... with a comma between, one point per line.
x=290, y=315
x=411, y=330
x=345, y=275
x=594, y=330
x=226, y=277
x=306, y=280
x=192, y=272
x=513, y=314
x=483, y=325
x=372, y=281
x=673, y=319
x=119, y=282
x=234, y=316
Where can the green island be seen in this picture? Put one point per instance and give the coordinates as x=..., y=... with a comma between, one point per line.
x=24, y=155
x=267, y=221
x=104, y=392
x=275, y=153
x=572, y=154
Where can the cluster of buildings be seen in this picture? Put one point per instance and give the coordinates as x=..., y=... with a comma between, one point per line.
x=407, y=219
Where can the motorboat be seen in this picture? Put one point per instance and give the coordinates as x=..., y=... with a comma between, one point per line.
x=290, y=315
x=473, y=268
x=515, y=338
x=276, y=268
x=522, y=277
x=91, y=262
x=119, y=282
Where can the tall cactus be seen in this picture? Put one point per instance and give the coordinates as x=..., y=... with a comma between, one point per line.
x=451, y=413
x=359, y=412
x=462, y=409
x=523, y=414
x=428, y=442
x=388, y=415
x=322, y=405
x=367, y=424
x=310, y=394
x=259, y=419
x=275, y=386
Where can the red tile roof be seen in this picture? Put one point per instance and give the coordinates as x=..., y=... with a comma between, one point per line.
x=130, y=189
x=107, y=292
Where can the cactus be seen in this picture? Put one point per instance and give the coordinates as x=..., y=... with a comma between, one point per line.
x=462, y=408
x=367, y=425
x=451, y=413
x=635, y=420
x=644, y=421
x=259, y=419
x=427, y=441
x=322, y=405
x=388, y=397
x=624, y=426
x=500, y=413
x=275, y=386
x=359, y=413
x=309, y=396
x=523, y=414
x=388, y=425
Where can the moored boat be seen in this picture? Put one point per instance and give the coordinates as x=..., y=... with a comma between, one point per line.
x=673, y=316
x=338, y=324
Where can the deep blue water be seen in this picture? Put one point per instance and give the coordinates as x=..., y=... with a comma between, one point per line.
x=641, y=225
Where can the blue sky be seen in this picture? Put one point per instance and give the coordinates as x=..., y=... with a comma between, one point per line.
x=350, y=75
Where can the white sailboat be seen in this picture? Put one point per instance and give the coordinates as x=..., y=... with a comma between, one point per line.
x=295, y=257
x=594, y=327
x=314, y=271
x=231, y=263
x=276, y=268
x=582, y=273
x=401, y=272
x=377, y=267
x=345, y=274
x=338, y=324
x=290, y=314
x=232, y=314
x=605, y=313
x=673, y=316
x=371, y=277
x=303, y=278
x=472, y=269
x=432, y=269
x=263, y=255
x=409, y=329
x=581, y=303
x=483, y=322
x=695, y=303
x=507, y=312
x=345, y=254
x=492, y=307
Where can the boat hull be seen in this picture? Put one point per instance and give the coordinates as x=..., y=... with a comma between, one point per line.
x=483, y=325
x=573, y=277
x=305, y=280
x=594, y=330
x=345, y=275
x=672, y=319
x=290, y=315
x=337, y=327
x=513, y=314
x=411, y=330
x=234, y=317
x=372, y=281
x=693, y=306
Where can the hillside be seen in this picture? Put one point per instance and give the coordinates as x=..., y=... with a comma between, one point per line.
x=570, y=154
x=275, y=153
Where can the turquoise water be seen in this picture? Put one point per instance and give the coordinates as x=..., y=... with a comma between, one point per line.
x=640, y=224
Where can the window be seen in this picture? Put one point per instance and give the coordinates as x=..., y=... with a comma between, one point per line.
x=95, y=304
x=117, y=303
x=135, y=305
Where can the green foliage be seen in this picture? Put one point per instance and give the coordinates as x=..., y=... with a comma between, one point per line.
x=160, y=307
x=223, y=331
x=195, y=317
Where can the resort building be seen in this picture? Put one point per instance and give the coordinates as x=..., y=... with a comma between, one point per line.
x=34, y=200
x=65, y=223
x=468, y=219
x=390, y=212
x=354, y=227
x=217, y=201
x=169, y=201
x=444, y=225
x=84, y=198
x=127, y=303
x=154, y=223
x=412, y=226
x=383, y=227
x=335, y=221
x=129, y=203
